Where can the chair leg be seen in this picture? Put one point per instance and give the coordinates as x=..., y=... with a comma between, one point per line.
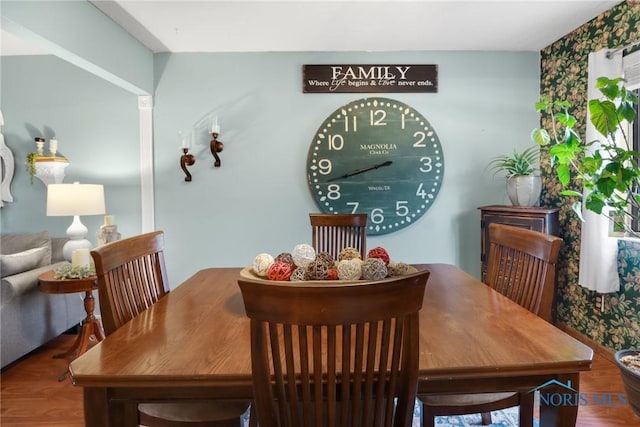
x=253, y=418
x=527, y=404
x=486, y=418
x=428, y=419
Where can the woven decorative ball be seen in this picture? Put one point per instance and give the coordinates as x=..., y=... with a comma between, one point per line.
x=332, y=274
x=261, y=264
x=286, y=257
x=303, y=254
x=379, y=252
x=299, y=274
x=318, y=269
x=374, y=269
x=397, y=268
x=280, y=271
x=349, y=253
x=350, y=269
x=326, y=258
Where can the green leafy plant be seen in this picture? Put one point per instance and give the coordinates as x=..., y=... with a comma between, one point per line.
x=68, y=271
x=517, y=164
x=608, y=168
x=31, y=165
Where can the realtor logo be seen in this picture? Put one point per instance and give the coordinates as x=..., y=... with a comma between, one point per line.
x=566, y=386
x=566, y=395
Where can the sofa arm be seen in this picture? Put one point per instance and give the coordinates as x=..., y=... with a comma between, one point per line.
x=22, y=283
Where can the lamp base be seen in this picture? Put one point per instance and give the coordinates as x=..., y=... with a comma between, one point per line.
x=77, y=233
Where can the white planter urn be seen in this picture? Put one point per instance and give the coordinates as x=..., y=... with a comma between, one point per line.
x=524, y=190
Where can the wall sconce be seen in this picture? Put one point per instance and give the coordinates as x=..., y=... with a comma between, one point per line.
x=186, y=160
x=215, y=146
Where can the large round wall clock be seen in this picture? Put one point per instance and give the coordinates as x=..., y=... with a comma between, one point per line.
x=376, y=156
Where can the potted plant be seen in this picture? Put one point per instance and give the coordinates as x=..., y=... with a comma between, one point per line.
x=608, y=169
x=629, y=363
x=523, y=180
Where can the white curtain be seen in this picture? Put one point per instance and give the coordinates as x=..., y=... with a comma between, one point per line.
x=598, y=251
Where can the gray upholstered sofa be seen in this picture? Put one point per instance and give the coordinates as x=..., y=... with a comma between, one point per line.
x=28, y=317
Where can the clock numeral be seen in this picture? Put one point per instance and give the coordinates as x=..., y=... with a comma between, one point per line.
x=324, y=166
x=377, y=216
x=354, y=205
x=420, y=192
x=336, y=142
x=376, y=118
x=426, y=164
x=401, y=208
x=354, y=123
x=402, y=121
x=333, y=191
x=420, y=142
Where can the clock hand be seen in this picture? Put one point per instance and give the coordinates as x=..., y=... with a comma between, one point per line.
x=357, y=171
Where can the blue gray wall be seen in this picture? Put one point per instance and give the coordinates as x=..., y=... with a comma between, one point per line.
x=96, y=124
x=258, y=200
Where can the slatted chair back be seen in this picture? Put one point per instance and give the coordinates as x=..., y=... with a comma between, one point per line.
x=333, y=232
x=522, y=266
x=131, y=277
x=335, y=354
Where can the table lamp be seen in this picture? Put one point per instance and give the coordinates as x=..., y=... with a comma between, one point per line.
x=75, y=200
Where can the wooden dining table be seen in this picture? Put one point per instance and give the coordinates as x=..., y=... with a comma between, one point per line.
x=194, y=344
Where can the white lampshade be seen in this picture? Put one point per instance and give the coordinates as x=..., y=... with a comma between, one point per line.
x=75, y=199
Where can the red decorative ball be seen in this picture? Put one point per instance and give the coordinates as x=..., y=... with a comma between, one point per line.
x=280, y=271
x=332, y=274
x=380, y=253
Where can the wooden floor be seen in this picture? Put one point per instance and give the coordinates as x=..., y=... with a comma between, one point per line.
x=32, y=395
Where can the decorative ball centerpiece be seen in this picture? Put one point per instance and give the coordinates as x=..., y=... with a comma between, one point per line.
x=326, y=257
x=304, y=264
x=280, y=271
x=318, y=270
x=380, y=253
x=349, y=253
x=299, y=274
x=303, y=254
x=398, y=268
x=261, y=264
x=286, y=257
x=374, y=269
x=350, y=269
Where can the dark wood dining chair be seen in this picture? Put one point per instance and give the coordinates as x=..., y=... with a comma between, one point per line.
x=521, y=266
x=335, y=354
x=333, y=232
x=131, y=277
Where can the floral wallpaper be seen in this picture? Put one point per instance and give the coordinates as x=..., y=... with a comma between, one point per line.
x=563, y=70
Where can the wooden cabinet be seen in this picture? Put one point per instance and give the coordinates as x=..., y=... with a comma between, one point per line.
x=540, y=219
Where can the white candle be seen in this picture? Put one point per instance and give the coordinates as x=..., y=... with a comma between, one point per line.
x=215, y=127
x=53, y=146
x=80, y=258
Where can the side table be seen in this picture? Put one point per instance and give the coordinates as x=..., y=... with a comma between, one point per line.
x=90, y=325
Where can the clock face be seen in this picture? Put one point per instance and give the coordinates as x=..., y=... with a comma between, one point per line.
x=376, y=156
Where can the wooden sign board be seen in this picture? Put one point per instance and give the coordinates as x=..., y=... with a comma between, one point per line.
x=350, y=78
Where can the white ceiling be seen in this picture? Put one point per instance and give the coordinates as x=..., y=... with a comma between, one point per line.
x=353, y=25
